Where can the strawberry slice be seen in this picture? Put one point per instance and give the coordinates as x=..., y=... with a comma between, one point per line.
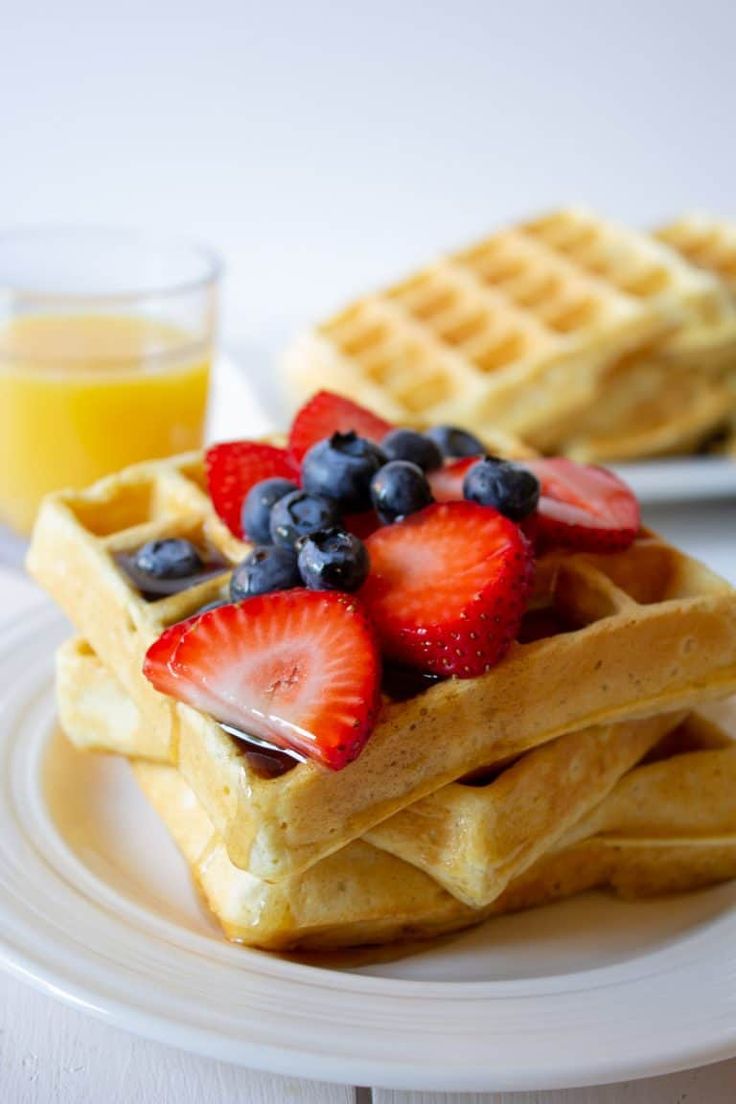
x=156, y=663
x=447, y=482
x=448, y=587
x=363, y=524
x=298, y=668
x=327, y=413
x=233, y=467
x=584, y=507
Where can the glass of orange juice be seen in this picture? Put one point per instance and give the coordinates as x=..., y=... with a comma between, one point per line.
x=106, y=341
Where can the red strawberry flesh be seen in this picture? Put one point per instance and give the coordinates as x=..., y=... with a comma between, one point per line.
x=327, y=413
x=446, y=482
x=233, y=467
x=298, y=668
x=448, y=587
x=584, y=507
x=156, y=665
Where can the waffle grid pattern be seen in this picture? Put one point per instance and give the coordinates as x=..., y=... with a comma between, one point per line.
x=566, y=329
x=602, y=613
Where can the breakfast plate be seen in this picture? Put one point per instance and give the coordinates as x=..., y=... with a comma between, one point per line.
x=97, y=909
x=248, y=378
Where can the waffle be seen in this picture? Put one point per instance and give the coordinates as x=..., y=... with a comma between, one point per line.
x=668, y=826
x=518, y=330
x=672, y=401
x=470, y=837
x=652, y=408
x=645, y=632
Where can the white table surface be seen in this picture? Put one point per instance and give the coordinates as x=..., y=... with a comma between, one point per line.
x=52, y=1053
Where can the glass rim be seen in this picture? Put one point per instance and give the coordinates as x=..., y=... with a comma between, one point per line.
x=213, y=265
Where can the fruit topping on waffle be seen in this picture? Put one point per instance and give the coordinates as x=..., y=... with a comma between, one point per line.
x=234, y=468
x=327, y=413
x=428, y=535
x=448, y=587
x=160, y=568
x=299, y=669
x=584, y=507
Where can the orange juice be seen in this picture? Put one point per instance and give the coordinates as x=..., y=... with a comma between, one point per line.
x=85, y=395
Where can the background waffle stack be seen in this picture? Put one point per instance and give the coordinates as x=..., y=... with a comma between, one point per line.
x=711, y=244
x=581, y=335
x=612, y=652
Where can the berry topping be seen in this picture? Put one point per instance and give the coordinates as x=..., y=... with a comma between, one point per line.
x=512, y=490
x=332, y=560
x=447, y=483
x=398, y=489
x=233, y=468
x=299, y=668
x=362, y=524
x=260, y=500
x=407, y=444
x=156, y=664
x=266, y=568
x=327, y=413
x=452, y=441
x=174, y=558
x=582, y=507
x=300, y=513
x=341, y=467
x=448, y=586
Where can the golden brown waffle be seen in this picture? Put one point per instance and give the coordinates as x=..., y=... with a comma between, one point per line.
x=517, y=330
x=710, y=244
x=645, y=632
x=472, y=838
x=707, y=242
x=652, y=407
x=674, y=399
x=668, y=826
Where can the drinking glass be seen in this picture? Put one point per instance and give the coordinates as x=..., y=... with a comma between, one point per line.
x=106, y=341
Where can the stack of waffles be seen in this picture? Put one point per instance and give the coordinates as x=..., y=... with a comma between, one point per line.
x=593, y=755
x=583, y=336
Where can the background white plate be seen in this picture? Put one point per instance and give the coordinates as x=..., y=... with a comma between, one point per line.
x=255, y=397
x=96, y=908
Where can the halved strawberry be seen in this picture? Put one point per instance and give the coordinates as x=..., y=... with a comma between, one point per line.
x=327, y=413
x=299, y=668
x=363, y=524
x=233, y=467
x=156, y=663
x=448, y=586
x=446, y=483
x=584, y=507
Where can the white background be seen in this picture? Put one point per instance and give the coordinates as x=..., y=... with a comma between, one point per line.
x=323, y=148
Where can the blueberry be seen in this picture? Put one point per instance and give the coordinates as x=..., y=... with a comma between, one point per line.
x=407, y=444
x=299, y=513
x=332, y=560
x=513, y=490
x=452, y=441
x=341, y=467
x=174, y=558
x=267, y=567
x=398, y=489
x=260, y=500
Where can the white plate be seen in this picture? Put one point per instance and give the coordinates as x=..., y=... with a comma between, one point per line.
x=681, y=479
x=97, y=909
x=249, y=369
